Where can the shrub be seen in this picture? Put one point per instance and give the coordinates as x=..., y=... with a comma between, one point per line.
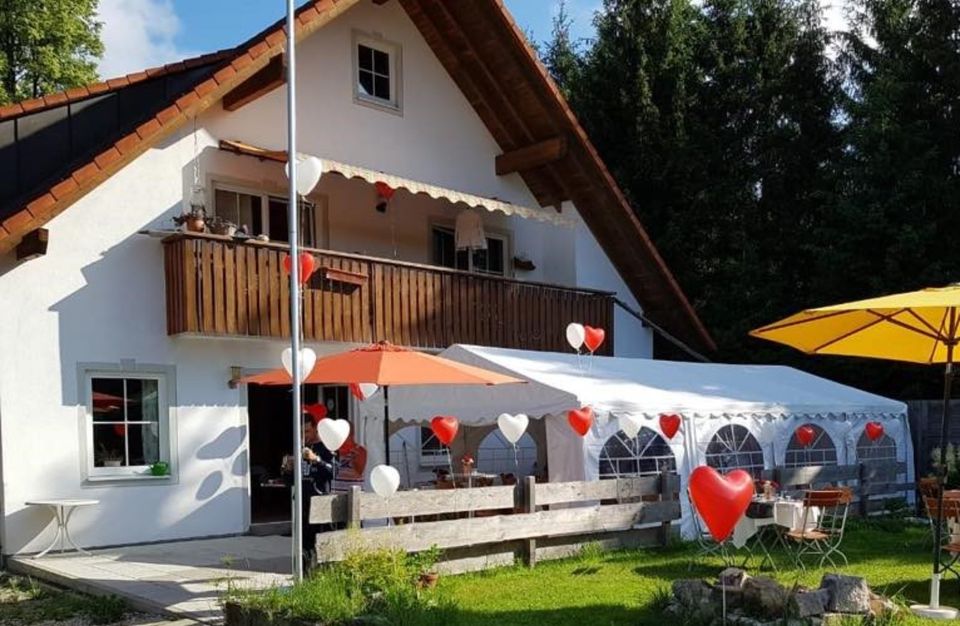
x=370, y=584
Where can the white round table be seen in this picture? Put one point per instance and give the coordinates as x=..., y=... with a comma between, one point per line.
x=62, y=511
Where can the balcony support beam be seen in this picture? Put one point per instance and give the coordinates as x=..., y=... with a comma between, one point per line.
x=532, y=156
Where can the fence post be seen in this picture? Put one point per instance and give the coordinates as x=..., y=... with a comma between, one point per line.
x=353, y=507
x=666, y=495
x=529, y=505
x=862, y=507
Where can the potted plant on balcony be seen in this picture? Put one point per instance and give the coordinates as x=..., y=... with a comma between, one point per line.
x=160, y=468
x=221, y=226
x=194, y=220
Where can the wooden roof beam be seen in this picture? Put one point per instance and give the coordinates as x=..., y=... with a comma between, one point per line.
x=260, y=84
x=532, y=156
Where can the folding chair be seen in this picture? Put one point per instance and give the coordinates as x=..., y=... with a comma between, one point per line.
x=821, y=531
x=706, y=544
x=949, y=545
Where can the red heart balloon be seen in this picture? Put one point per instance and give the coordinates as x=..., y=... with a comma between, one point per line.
x=445, y=428
x=581, y=420
x=316, y=411
x=805, y=435
x=669, y=425
x=874, y=430
x=307, y=266
x=721, y=500
x=593, y=338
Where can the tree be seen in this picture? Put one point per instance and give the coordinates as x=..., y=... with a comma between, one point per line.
x=719, y=123
x=562, y=54
x=47, y=46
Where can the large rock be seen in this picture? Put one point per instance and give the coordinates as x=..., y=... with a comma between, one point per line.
x=809, y=603
x=692, y=593
x=764, y=597
x=848, y=594
x=732, y=578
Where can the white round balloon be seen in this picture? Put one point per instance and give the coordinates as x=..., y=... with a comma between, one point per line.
x=385, y=480
x=513, y=426
x=333, y=433
x=630, y=425
x=309, y=171
x=575, y=335
x=308, y=358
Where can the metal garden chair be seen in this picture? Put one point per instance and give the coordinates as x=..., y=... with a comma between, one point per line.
x=821, y=532
x=706, y=544
x=950, y=543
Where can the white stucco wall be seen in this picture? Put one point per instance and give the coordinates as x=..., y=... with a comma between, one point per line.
x=98, y=294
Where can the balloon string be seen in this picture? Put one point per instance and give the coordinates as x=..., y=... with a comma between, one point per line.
x=516, y=460
x=453, y=477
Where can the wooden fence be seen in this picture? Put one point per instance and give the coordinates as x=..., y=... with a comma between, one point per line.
x=873, y=484
x=490, y=526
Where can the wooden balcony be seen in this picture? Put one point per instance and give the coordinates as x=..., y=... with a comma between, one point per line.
x=217, y=286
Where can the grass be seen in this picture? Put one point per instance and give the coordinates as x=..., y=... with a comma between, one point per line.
x=23, y=601
x=628, y=587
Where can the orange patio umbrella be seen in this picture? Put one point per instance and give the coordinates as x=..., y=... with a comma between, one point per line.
x=387, y=365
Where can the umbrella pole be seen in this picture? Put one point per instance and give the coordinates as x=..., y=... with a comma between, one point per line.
x=386, y=424
x=942, y=475
x=934, y=610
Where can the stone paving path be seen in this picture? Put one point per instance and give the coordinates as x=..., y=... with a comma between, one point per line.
x=181, y=579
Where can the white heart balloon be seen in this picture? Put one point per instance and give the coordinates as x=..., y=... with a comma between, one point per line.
x=513, y=426
x=385, y=480
x=368, y=389
x=333, y=433
x=308, y=358
x=309, y=171
x=575, y=335
x=630, y=425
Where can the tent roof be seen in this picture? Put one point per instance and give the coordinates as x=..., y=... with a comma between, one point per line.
x=648, y=387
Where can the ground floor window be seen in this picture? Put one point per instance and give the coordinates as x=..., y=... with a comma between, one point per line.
x=644, y=455
x=734, y=447
x=128, y=425
x=821, y=451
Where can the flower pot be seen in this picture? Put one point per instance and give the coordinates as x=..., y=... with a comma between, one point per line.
x=195, y=224
x=428, y=580
x=226, y=230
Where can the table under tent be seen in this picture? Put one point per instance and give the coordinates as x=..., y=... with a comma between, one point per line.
x=731, y=415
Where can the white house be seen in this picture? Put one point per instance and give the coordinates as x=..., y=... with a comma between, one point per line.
x=120, y=338
x=121, y=335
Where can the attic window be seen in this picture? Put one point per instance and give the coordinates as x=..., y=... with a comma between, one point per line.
x=377, y=72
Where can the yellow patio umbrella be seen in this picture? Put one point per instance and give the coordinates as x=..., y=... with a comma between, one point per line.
x=916, y=327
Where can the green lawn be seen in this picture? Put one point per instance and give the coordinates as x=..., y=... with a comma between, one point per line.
x=620, y=587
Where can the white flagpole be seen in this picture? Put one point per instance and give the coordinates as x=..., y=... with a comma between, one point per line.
x=296, y=536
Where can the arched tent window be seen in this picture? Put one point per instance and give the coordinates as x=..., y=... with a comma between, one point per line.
x=733, y=447
x=496, y=455
x=643, y=455
x=883, y=449
x=821, y=451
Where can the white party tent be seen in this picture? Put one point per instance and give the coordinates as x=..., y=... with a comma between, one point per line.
x=732, y=415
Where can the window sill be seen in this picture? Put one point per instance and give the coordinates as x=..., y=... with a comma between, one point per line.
x=379, y=105
x=127, y=479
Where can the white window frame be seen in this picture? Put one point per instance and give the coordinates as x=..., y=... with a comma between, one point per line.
x=395, y=54
x=316, y=201
x=501, y=236
x=431, y=458
x=165, y=377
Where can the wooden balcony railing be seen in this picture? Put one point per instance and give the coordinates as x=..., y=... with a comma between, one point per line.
x=218, y=286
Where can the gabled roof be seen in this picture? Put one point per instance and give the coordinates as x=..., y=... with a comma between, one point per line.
x=484, y=52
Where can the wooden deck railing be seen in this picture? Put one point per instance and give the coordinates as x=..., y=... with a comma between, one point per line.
x=218, y=286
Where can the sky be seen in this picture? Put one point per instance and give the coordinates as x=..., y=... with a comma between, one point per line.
x=138, y=34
